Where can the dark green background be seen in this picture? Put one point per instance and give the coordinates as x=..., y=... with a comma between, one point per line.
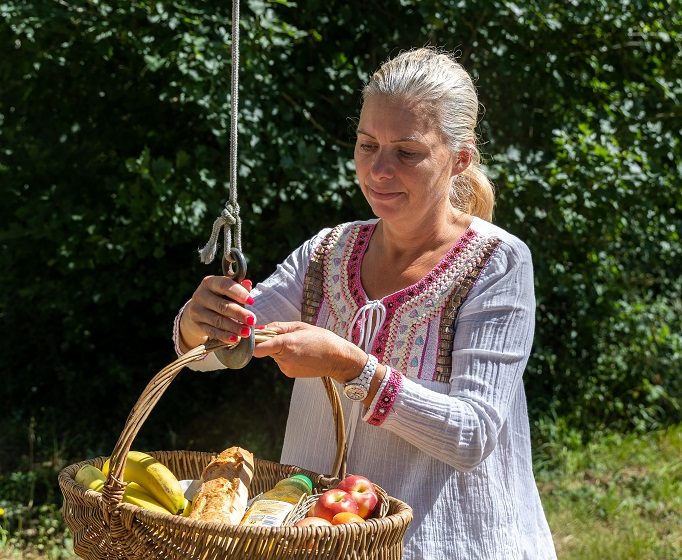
x=114, y=122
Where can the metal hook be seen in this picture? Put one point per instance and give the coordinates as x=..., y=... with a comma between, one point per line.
x=238, y=356
x=234, y=265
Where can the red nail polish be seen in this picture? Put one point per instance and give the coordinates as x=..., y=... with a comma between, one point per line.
x=249, y=300
x=259, y=327
x=246, y=331
x=234, y=338
x=250, y=320
x=247, y=284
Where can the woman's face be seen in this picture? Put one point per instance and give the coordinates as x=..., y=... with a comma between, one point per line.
x=403, y=164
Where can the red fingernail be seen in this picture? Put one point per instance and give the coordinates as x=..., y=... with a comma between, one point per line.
x=246, y=331
x=247, y=284
x=234, y=338
x=261, y=327
x=249, y=300
x=250, y=320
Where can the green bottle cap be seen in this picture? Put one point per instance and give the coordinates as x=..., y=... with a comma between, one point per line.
x=303, y=478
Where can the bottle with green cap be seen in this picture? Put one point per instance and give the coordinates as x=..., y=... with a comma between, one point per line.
x=271, y=508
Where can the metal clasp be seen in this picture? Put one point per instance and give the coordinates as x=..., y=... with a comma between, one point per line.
x=240, y=355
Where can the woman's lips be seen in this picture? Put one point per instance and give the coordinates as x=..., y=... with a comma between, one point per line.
x=382, y=196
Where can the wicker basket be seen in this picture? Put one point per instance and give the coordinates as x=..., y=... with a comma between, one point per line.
x=104, y=527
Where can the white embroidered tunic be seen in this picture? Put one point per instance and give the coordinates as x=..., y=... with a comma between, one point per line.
x=448, y=430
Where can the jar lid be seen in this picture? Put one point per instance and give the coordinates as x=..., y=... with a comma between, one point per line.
x=306, y=480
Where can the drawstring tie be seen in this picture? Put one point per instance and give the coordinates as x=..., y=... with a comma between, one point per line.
x=371, y=316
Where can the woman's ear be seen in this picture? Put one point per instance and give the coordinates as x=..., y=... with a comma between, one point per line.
x=461, y=161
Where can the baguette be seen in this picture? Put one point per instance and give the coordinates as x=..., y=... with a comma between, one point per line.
x=224, y=488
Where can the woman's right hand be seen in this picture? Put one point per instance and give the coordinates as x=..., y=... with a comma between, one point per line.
x=215, y=312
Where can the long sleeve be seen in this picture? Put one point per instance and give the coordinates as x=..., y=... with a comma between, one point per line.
x=493, y=338
x=278, y=298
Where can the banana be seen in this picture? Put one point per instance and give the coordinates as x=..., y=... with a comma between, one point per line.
x=155, y=478
x=188, y=508
x=94, y=479
x=90, y=477
x=135, y=494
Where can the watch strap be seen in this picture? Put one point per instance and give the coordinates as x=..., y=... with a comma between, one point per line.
x=363, y=381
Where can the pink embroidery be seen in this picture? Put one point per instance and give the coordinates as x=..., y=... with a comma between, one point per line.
x=411, y=296
x=386, y=398
x=415, y=330
x=353, y=269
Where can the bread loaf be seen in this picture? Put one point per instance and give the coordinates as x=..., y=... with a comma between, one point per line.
x=224, y=487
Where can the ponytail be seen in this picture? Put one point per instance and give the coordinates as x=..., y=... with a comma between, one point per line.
x=473, y=193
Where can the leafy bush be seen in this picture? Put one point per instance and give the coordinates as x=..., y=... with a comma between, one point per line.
x=30, y=520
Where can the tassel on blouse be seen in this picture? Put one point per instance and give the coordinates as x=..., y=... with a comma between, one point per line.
x=371, y=316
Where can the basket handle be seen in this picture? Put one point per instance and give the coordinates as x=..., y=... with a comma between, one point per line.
x=112, y=492
x=339, y=466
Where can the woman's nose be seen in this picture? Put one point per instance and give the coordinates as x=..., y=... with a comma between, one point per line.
x=382, y=166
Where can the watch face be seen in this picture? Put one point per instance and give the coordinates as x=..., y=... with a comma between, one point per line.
x=355, y=392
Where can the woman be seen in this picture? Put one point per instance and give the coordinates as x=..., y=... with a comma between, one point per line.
x=424, y=317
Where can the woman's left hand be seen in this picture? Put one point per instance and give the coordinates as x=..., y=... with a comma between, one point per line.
x=303, y=350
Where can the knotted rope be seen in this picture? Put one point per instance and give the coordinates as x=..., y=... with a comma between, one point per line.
x=229, y=219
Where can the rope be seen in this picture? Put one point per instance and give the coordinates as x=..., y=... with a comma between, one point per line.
x=229, y=219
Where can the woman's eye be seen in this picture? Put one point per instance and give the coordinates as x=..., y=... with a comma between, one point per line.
x=407, y=155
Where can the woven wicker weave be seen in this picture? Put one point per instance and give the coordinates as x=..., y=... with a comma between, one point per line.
x=104, y=527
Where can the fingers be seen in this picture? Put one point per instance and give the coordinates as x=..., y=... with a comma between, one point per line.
x=273, y=347
x=218, y=326
x=226, y=308
x=283, y=327
x=283, y=342
x=215, y=308
x=226, y=287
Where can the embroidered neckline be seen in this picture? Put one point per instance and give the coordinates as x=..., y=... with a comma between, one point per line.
x=408, y=295
x=360, y=246
x=409, y=340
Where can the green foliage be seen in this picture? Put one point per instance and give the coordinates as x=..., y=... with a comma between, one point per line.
x=31, y=525
x=594, y=188
x=114, y=133
x=618, y=497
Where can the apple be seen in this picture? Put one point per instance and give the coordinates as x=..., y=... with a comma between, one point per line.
x=346, y=517
x=362, y=491
x=314, y=521
x=332, y=502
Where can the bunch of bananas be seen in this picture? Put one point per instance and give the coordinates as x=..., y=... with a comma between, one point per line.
x=151, y=484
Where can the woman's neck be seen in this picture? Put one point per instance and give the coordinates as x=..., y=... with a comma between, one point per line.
x=397, y=241
x=398, y=257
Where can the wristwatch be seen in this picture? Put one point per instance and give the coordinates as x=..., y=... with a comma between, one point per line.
x=357, y=389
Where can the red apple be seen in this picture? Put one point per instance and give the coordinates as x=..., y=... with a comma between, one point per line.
x=306, y=521
x=362, y=491
x=332, y=502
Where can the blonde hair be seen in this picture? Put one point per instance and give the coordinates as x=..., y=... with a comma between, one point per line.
x=428, y=77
